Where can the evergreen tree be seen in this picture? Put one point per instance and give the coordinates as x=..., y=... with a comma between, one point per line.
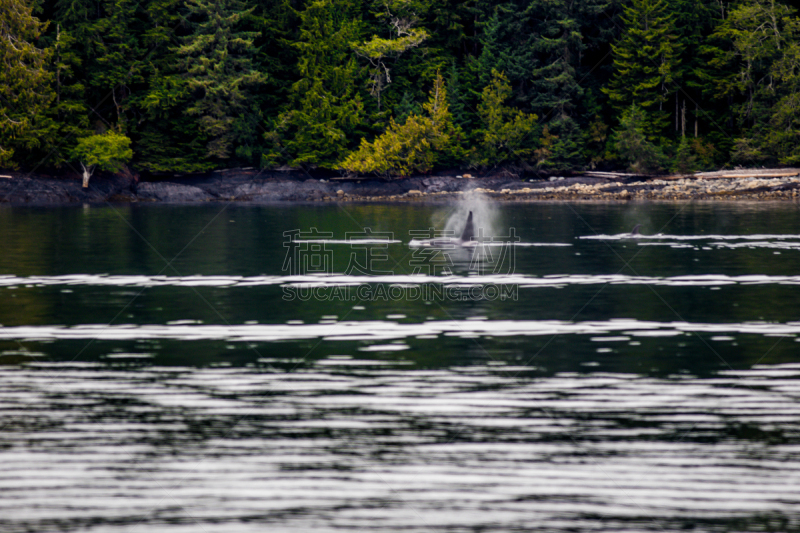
x=414, y=146
x=567, y=149
x=781, y=138
x=646, y=64
x=632, y=145
x=166, y=137
x=506, y=135
x=694, y=21
x=458, y=97
x=402, y=36
x=325, y=106
x=754, y=51
x=218, y=64
x=685, y=161
x=506, y=48
x=24, y=79
x=558, y=44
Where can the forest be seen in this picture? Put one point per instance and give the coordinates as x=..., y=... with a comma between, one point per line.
x=398, y=87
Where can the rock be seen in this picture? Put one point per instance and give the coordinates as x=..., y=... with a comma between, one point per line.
x=171, y=192
x=37, y=190
x=340, y=192
x=414, y=192
x=437, y=184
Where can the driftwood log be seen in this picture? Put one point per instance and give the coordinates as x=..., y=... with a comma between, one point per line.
x=719, y=174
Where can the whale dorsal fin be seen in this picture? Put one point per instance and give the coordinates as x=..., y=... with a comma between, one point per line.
x=635, y=230
x=469, y=230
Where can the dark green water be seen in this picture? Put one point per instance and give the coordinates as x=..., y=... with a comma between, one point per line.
x=179, y=367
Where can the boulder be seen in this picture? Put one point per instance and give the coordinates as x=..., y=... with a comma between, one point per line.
x=171, y=192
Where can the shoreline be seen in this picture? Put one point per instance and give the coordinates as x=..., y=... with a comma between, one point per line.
x=252, y=186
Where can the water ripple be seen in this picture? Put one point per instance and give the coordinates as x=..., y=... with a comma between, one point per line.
x=372, y=330
x=383, y=449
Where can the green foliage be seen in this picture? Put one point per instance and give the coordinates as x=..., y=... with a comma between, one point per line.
x=108, y=151
x=166, y=136
x=203, y=84
x=53, y=129
x=567, y=151
x=379, y=50
x=415, y=146
x=218, y=64
x=641, y=155
x=757, y=49
x=646, y=64
x=558, y=45
x=506, y=135
x=326, y=107
x=595, y=141
x=685, y=161
x=24, y=79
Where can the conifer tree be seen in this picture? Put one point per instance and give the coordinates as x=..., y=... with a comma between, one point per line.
x=415, y=146
x=558, y=45
x=400, y=18
x=325, y=104
x=54, y=129
x=506, y=48
x=506, y=135
x=166, y=137
x=755, y=53
x=632, y=145
x=24, y=79
x=218, y=64
x=646, y=64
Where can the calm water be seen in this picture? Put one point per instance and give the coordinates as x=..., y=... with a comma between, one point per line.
x=169, y=368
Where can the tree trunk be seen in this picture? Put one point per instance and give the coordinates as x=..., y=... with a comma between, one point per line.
x=86, y=175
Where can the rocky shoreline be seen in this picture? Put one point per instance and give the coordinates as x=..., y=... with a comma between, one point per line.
x=248, y=185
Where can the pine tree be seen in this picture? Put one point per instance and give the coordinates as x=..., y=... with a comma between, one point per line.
x=325, y=104
x=53, y=130
x=218, y=64
x=754, y=50
x=506, y=135
x=694, y=21
x=415, y=146
x=782, y=136
x=558, y=46
x=632, y=145
x=506, y=47
x=166, y=137
x=24, y=79
x=400, y=17
x=646, y=64
x=685, y=161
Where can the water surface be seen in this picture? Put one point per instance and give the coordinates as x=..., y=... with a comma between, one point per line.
x=172, y=368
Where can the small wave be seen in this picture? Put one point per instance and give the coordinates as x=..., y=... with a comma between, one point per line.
x=341, y=280
x=347, y=241
x=616, y=330
x=662, y=236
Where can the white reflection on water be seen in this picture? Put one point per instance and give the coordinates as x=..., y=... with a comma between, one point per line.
x=662, y=236
x=376, y=330
x=342, y=280
x=383, y=449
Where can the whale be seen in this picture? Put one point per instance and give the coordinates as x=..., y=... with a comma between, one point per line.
x=466, y=238
x=635, y=230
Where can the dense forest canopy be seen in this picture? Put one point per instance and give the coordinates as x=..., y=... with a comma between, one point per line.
x=395, y=87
